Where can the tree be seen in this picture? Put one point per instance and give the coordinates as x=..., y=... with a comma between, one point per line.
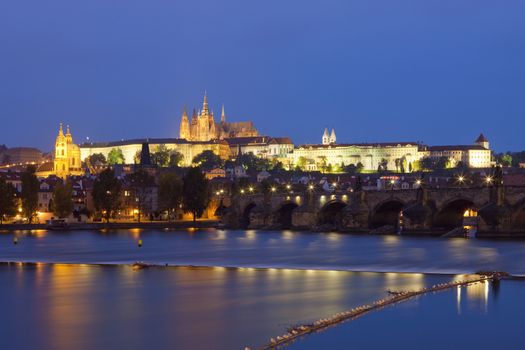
x=170, y=193
x=207, y=160
x=383, y=165
x=29, y=195
x=251, y=162
x=137, y=156
x=301, y=162
x=106, y=193
x=62, y=203
x=426, y=163
x=141, y=183
x=176, y=159
x=322, y=163
x=506, y=160
x=161, y=156
x=97, y=158
x=360, y=167
x=442, y=163
x=350, y=169
x=7, y=200
x=195, y=193
x=116, y=156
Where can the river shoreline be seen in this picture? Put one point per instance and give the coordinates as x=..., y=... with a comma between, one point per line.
x=96, y=226
x=215, y=224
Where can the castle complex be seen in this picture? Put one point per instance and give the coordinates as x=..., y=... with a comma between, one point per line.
x=230, y=139
x=203, y=126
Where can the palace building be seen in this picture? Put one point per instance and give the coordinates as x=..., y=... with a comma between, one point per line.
x=203, y=126
x=396, y=156
x=131, y=148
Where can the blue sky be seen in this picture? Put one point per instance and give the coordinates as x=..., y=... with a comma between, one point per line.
x=437, y=71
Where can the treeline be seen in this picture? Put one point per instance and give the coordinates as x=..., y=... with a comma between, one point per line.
x=510, y=158
x=190, y=192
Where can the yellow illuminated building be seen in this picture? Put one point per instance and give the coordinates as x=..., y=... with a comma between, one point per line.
x=66, y=159
x=203, y=127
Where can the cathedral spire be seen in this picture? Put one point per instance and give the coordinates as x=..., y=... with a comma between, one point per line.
x=205, y=104
x=223, y=115
x=60, y=130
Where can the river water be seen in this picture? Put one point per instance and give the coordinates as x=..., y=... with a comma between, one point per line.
x=277, y=279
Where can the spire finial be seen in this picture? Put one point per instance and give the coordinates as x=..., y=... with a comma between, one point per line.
x=205, y=103
x=223, y=115
x=60, y=130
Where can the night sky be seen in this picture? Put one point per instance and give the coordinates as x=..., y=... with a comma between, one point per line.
x=437, y=71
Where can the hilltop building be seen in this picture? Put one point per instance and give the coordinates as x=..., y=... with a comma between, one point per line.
x=396, y=156
x=131, y=148
x=477, y=155
x=203, y=126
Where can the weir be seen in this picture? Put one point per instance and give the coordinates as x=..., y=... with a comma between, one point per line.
x=395, y=297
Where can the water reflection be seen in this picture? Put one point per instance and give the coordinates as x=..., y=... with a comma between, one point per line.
x=284, y=249
x=86, y=307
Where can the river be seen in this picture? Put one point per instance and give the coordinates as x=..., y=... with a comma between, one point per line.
x=276, y=279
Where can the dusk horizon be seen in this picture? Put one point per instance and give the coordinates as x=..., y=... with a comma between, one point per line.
x=439, y=72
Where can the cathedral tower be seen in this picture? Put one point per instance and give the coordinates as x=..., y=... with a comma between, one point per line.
x=326, y=137
x=184, y=130
x=332, y=137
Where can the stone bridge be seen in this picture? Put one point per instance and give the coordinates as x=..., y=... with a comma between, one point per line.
x=489, y=208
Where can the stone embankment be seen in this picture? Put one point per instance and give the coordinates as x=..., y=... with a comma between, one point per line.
x=94, y=226
x=395, y=297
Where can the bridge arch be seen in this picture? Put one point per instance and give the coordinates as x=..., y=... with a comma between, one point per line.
x=451, y=213
x=283, y=215
x=386, y=213
x=330, y=213
x=246, y=213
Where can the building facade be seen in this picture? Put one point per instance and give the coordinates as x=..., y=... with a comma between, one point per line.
x=130, y=148
x=395, y=156
x=203, y=127
x=477, y=155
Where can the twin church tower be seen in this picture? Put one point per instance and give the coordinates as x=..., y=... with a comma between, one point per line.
x=203, y=126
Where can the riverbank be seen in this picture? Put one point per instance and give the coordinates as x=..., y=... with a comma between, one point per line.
x=97, y=226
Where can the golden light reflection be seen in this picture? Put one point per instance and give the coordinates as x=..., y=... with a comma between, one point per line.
x=251, y=235
x=288, y=235
x=458, y=299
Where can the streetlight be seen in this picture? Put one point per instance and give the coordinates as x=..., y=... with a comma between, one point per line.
x=242, y=191
x=311, y=187
x=273, y=189
x=488, y=180
x=250, y=189
x=288, y=186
